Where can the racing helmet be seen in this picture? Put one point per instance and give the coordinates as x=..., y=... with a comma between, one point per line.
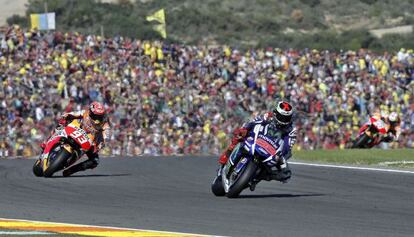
x=97, y=113
x=393, y=118
x=282, y=114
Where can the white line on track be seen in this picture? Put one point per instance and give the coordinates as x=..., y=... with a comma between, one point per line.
x=25, y=233
x=402, y=162
x=354, y=168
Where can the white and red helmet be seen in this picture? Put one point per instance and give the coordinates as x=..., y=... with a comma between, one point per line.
x=282, y=113
x=97, y=112
x=393, y=118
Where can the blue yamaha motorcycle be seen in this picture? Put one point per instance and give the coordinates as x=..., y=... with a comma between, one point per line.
x=247, y=164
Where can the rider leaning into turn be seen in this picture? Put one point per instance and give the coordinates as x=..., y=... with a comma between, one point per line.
x=281, y=118
x=392, y=125
x=95, y=122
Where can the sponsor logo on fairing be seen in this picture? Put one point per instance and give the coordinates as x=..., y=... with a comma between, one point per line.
x=266, y=146
x=273, y=143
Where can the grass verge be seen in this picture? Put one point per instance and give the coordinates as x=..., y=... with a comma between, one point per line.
x=402, y=158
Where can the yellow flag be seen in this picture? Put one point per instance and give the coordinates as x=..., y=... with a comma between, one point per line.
x=161, y=29
x=159, y=16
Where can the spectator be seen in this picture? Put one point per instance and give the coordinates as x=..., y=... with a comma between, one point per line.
x=177, y=99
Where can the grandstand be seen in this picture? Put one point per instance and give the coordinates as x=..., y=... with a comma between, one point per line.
x=168, y=98
x=177, y=99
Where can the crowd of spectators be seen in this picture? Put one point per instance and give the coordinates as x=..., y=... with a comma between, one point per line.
x=181, y=99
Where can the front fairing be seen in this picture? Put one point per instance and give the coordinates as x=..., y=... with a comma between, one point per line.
x=260, y=146
x=263, y=142
x=84, y=140
x=378, y=125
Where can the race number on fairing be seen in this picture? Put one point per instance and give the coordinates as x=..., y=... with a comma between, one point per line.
x=79, y=136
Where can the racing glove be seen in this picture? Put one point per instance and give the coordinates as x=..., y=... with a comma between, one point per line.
x=63, y=120
x=240, y=133
x=100, y=146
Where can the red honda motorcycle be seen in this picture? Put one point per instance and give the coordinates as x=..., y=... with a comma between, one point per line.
x=371, y=133
x=63, y=149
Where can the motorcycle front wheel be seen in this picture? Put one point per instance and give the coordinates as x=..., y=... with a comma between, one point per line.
x=361, y=141
x=217, y=187
x=56, y=163
x=241, y=181
x=37, y=168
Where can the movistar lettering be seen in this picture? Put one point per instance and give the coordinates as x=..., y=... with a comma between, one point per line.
x=273, y=143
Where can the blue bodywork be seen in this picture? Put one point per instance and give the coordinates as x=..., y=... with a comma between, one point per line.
x=251, y=147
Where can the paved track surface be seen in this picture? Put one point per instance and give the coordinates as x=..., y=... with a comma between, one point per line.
x=173, y=194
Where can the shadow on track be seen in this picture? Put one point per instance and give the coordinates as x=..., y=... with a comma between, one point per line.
x=91, y=175
x=284, y=195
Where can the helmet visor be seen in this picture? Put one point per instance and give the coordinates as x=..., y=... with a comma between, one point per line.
x=283, y=119
x=97, y=118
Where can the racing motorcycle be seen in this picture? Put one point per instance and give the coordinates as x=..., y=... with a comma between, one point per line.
x=63, y=149
x=248, y=163
x=370, y=134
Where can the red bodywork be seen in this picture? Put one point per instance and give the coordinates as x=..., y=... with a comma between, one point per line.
x=267, y=146
x=79, y=135
x=379, y=126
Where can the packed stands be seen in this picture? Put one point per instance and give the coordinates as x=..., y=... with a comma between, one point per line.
x=182, y=99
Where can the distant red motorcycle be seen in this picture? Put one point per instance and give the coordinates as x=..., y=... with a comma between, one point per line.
x=371, y=134
x=63, y=149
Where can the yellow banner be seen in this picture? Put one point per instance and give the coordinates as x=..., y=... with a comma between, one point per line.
x=35, y=21
x=161, y=29
x=157, y=16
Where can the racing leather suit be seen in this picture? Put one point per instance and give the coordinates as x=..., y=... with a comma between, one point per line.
x=101, y=133
x=288, y=135
x=393, y=133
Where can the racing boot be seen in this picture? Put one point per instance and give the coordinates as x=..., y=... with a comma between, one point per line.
x=89, y=164
x=282, y=173
x=252, y=184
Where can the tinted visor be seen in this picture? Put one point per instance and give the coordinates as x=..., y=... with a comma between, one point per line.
x=283, y=119
x=96, y=117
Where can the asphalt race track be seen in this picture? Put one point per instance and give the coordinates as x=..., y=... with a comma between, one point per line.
x=173, y=194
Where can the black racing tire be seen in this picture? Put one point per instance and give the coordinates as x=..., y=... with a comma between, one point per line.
x=242, y=181
x=217, y=187
x=58, y=163
x=361, y=141
x=37, y=168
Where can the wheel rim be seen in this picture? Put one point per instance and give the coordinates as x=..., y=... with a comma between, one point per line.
x=228, y=182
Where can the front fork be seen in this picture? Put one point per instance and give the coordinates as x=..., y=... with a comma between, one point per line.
x=43, y=160
x=233, y=160
x=373, y=137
